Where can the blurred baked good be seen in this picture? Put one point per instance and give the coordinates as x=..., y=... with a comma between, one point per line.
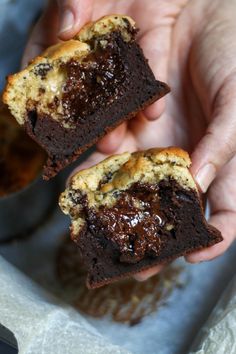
x=21, y=159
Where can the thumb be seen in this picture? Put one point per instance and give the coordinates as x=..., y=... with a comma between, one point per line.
x=73, y=14
x=43, y=35
x=156, y=47
x=218, y=145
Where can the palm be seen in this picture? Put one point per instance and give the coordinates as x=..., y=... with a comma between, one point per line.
x=160, y=41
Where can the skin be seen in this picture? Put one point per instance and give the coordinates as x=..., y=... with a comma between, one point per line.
x=190, y=44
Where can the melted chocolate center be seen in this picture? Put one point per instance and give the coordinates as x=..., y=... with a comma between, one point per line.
x=135, y=223
x=96, y=81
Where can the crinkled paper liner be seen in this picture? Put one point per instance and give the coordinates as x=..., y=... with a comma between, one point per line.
x=41, y=323
x=218, y=335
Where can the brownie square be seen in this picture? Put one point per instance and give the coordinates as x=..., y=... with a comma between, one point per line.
x=134, y=211
x=79, y=90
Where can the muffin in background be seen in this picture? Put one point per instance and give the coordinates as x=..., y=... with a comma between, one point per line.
x=25, y=199
x=21, y=159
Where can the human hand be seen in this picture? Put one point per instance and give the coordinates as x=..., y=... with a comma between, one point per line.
x=197, y=58
x=62, y=19
x=189, y=44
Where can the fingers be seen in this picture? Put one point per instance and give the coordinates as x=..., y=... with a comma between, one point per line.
x=73, y=14
x=156, y=47
x=43, y=35
x=155, y=110
x=118, y=141
x=93, y=159
x=226, y=223
x=218, y=145
x=213, y=71
x=127, y=144
x=112, y=141
x=157, y=40
x=142, y=276
x=222, y=196
x=63, y=20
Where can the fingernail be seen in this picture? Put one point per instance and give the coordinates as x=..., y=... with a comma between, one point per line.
x=67, y=21
x=205, y=176
x=140, y=277
x=192, y=260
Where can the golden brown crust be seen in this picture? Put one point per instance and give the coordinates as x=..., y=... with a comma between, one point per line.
x=131, y=163
x=65, y=49
x=104, y=25
x=170, y=151
x=150, y=166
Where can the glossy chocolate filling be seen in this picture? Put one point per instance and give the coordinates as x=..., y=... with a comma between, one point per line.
x=140, y=218
x=98, y=80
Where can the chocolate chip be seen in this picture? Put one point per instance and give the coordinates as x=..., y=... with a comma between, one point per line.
x=42, y=70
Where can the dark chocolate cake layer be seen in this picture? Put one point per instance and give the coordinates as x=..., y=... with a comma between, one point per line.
x=84, y=90
x=133, y=211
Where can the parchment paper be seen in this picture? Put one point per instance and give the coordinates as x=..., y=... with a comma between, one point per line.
x=41, y=323
x=218, y=335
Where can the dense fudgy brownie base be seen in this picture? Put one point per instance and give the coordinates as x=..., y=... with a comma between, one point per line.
x=133, y=90
x=133, y=223
x=102, y=253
